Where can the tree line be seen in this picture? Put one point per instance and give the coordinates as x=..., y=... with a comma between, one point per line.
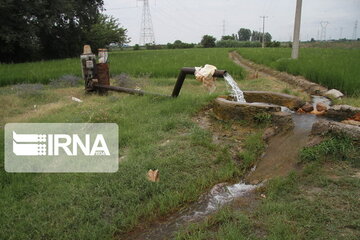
x=245, y=34
x=50, y=29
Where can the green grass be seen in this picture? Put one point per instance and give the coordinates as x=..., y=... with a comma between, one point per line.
x=160, y=64
x=101, y=206
x=335, y=148
x=253, y=148
x=319, y=202
x=333, y=68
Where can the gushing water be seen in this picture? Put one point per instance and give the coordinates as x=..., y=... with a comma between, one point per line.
x=220, y=195
x=235, y=90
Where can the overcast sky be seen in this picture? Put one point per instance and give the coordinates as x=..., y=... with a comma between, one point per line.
x=189, y=20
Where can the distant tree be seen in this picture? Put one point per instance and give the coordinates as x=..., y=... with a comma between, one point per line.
x=268, y=37
x=312, y=40
x=236, y=44
x=256, y=36
x=244, y=34
x=179, y=44
x=273, y=44
x=107, y=30
x=228, y=37
x=208, y=41
x=276, y=44
x=151, y=46
x=137, y=47
x=49, y=29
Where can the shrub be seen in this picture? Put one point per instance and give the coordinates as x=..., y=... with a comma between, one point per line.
x=179, y=45
x=208, y=41
x=237, y=44
x=136, y=47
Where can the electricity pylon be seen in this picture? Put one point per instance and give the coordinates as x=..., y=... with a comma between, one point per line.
x=146, y=30
x=324, y=25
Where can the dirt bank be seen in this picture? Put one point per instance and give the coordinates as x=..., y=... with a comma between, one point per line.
x=266, y=72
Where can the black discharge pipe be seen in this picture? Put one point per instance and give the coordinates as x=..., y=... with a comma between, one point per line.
x=182, y=75
x=180, y=80
x=126, y=90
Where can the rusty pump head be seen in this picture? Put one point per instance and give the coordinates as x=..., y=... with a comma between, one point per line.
x=95, y=73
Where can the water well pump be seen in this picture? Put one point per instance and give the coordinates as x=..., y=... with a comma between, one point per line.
x=93, y=72
x=97, y=77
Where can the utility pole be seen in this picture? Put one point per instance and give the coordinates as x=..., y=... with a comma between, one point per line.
x=296, y=38
x=146, y=29
x=355, y=30
x=263, y=35
x=324, y=25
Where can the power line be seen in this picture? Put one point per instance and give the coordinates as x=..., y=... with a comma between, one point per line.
x=146, y=30
x=263, y=35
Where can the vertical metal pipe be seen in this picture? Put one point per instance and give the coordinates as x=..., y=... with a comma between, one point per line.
x=178, y=84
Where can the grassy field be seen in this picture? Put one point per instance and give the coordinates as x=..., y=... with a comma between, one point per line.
x=155, y=133
x=97, y=206
x=158, y=133
x=320, y=202
x=160, y=64
x=334, y=68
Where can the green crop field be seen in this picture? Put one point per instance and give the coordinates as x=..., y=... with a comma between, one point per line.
x=333, y=68
x=166, y=134
x=160, y=63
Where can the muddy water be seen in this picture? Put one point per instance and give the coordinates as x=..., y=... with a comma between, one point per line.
x=220, y=195
x=281, y=155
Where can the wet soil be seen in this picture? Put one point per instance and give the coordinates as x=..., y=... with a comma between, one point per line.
x=230, y=134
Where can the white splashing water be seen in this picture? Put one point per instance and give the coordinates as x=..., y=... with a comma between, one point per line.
x=236, y=93
x=220, y=195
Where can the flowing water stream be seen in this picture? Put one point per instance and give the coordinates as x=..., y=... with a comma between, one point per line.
x=279, y=159
x=235, y=91
x=220, y=195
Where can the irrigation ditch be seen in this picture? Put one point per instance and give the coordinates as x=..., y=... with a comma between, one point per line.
x=294, y=126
